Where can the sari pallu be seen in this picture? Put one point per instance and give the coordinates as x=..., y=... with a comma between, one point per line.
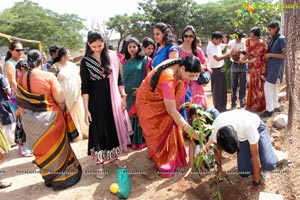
x=163, y=137
x=48, y=130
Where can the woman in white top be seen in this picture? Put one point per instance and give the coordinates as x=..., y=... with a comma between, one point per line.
x=68, y=76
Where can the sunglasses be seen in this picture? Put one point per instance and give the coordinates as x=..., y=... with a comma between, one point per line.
x=188, y=36
x=19, y=50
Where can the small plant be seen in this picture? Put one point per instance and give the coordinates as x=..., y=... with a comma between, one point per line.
x=205, y=160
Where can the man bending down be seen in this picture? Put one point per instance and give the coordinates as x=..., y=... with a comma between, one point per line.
x=243, y=132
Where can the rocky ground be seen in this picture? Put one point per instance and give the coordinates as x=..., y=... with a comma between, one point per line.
x=146, y=184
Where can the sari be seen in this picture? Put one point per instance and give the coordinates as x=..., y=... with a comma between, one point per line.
x=48, y=132
x=164, y=138
x=70, y=82
x=255, y=97
x=163, y=54
x=134, y=72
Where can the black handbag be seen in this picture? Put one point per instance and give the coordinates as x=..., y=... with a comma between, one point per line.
x=204, y=78
x=20, y=136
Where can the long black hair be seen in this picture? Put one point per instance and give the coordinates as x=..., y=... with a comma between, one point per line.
x=194, y=43
x=139, y=54
x=147, y=41
x=274, y=25
x=93, y=36
x=11, y=47
x=191, y=63
x=255, y=31
x=61, y=52
x=167, y=31
x=34, y=59
x=274, y=37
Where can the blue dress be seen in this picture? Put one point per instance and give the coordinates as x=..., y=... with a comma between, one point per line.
x=163, y=54
x=275, y=66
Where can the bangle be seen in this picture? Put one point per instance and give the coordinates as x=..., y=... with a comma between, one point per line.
x=124, y=96
x=254, y=183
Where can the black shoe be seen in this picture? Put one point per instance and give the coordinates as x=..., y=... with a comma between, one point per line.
x=276, y=110
x=233, y=106
x=242, y=105
x=266, y=114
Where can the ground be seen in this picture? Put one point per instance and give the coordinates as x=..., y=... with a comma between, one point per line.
x=146, y=184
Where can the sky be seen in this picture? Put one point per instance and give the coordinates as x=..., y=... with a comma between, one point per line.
x=90, y=11
x=87, y=9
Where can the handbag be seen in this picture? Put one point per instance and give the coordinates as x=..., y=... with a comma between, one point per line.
x=20, y=136
x=204, y=78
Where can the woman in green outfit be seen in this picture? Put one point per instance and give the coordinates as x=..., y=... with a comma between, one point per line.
x=135, y=67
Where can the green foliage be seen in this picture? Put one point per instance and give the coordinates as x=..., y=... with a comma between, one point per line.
x=260, y=17
x=205, y=160
x=224, y=15
x=30, y=21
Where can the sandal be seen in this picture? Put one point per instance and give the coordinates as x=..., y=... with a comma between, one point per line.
x=4, y=184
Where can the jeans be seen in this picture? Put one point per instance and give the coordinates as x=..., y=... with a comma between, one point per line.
x=268, y=159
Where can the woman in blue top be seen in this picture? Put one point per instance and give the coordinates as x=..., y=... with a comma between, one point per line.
x=13, y=56
x=166, y=48
x=275, y=63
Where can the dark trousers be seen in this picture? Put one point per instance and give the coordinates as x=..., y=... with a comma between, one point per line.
x=238, y=77
x=268, y=159
x=218, y=87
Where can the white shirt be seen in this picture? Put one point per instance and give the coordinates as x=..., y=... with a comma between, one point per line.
x=211, y=51
x=244, y=123
x=237, y=46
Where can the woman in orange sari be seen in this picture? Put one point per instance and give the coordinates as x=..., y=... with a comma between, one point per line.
x=158, y=100
x=48, y=129
x=256, y=50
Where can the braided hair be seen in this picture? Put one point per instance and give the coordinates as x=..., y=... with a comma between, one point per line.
x=34, y=59
x=191, y=64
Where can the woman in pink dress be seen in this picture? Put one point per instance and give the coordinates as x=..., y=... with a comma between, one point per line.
x=189, y=48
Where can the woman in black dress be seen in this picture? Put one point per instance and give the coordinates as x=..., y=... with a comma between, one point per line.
x=104, y=102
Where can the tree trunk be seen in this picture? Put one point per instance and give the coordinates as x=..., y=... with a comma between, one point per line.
x=291, y=31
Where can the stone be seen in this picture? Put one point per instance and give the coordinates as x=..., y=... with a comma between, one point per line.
x=280, y=121
x=269, y=196
x=281, y=96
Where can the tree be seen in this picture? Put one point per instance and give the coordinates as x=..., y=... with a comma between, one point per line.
x=291, y=30
x=224, y=15
x=28, y=20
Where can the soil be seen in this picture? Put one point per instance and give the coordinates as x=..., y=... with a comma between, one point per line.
x=146, y=184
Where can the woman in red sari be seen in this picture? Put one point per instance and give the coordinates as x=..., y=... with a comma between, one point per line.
x=158, y=100
x=256, y=50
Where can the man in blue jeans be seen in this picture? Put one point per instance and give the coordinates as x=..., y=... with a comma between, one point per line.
x=243, y=132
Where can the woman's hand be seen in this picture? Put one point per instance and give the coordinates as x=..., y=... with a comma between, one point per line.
x=19, y=112
x=134, y=90
x=195, y=135
x=123, y=104
x=87, y=117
